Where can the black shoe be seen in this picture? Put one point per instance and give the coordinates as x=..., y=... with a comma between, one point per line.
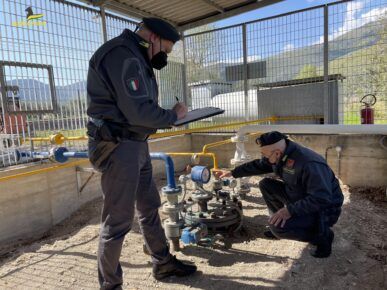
x=324, y=246
x=270, y=235
x=173, y=268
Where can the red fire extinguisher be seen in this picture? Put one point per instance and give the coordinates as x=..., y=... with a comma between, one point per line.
x=367, y=113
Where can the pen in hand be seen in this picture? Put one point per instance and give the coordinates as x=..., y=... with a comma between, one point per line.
x=180, y=109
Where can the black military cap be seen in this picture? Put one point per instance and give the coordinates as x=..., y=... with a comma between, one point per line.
x=162, y=28
x=270, y=138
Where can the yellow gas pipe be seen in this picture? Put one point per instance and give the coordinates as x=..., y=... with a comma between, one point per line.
x=59, y=138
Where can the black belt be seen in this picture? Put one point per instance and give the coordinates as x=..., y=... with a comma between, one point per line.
x=125, y=134
x=108, y=131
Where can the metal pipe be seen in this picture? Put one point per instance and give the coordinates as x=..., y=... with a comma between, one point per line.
x=327, y=101
x=326, y=152
x=215, y=144
x=212, y=155
x=316, y=129
x=61, y=155
x=43, y=170
x=103, y=24
x=169, y=167
x=338, y=151
x=58, y=139
x=223, y=142
x=76, y=154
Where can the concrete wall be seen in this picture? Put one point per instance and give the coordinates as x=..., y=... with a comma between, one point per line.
x=363, y=160
x=31, y=205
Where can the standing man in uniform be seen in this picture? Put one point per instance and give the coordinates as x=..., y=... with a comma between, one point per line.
x=306, y=202
x=123, y=106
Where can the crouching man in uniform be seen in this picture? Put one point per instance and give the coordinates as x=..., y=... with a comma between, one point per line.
x=123, y=106
x=305, y=202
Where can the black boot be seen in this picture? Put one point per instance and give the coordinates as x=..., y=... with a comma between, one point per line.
x=324, y=246
x=172, y=268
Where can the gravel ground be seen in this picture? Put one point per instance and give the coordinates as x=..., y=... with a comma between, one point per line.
x=65, y=258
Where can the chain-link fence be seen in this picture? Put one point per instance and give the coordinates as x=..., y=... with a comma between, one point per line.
x=307, y=66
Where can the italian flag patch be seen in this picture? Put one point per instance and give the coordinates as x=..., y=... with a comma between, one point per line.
x=134, y=84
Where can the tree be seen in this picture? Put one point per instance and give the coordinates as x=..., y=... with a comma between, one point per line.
x=200, y=53
x=374, y=78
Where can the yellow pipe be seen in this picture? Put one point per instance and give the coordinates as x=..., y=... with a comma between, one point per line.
x=212, y=155
x=204, y=152
x=59, y=138
x=187, y=131
x=223, y=142
x=215, y=144
x=42, y=170
x=55, y=139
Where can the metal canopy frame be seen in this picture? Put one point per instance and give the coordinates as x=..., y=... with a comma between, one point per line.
x=214, y=12
x=4, y=88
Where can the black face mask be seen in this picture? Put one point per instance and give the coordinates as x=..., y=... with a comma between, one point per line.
x=160, y=59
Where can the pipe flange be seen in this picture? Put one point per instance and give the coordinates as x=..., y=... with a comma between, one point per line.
x=172, y=229
x=170, y=190
x=201, y=196
x=195, y=159
x=172, y=208
x=57, y=154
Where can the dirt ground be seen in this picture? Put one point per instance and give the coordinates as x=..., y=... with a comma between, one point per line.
x=66, y=257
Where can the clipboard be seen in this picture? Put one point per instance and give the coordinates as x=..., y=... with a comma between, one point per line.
x=199, y=114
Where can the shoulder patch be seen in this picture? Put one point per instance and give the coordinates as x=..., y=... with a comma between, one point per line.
x=133, y=78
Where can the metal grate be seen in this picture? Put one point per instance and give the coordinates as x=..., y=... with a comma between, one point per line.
x=307, y=66
x=49, y=58
x=336, y=52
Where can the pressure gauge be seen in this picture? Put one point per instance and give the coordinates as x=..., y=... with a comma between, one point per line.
x=200, y=174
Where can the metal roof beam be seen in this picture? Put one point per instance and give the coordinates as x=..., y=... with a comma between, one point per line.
x=214, y=5
x=229, y=12
x=125, y=9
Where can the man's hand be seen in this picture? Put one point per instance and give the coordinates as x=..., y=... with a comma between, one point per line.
x=221, y=173
x=280, y=217
x=180, y=110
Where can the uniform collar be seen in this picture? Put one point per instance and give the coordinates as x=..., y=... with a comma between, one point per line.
x=290, y=147
x=128, y=34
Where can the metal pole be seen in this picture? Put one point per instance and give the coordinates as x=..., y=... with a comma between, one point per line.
x=184, y=72
x=103, y=23
x=3, y=91
x=245, y=73
x=327, y=103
